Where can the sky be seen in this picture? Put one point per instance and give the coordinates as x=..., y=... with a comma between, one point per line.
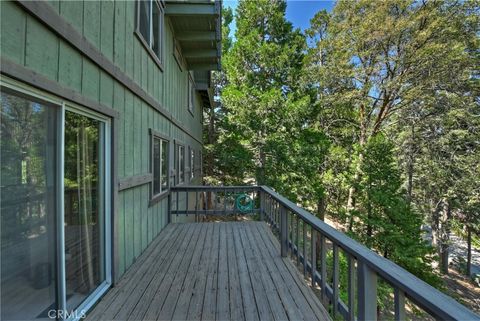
x=299, y=12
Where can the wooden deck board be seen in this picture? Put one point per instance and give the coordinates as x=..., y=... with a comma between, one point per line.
x=211, y=271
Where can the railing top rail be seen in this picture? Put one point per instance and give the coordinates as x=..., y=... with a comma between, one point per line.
x=430, y=299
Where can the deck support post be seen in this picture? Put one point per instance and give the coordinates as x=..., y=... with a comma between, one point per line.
x=283, y=231
x=367, y=293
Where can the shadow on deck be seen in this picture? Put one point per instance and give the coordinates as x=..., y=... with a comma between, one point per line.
x=211, y=271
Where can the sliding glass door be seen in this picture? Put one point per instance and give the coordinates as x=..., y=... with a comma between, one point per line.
x=28, y=207
x=55, y=246
x=84, y=203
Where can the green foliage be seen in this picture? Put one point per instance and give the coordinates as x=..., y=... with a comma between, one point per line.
x=384, y=221
x=370, y=118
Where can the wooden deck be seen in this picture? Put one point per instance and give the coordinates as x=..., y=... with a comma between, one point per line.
x=211, y=271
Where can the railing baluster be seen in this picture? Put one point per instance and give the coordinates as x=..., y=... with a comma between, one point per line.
x=278, y=217
x=262, y=205
x=196, y=205
x=275, y=222
x=399, y=305
x=304, y=248
x=323, y=268
x=272, y=214
x=269, y=209
x=335, y=279
x=283, y=231
x=204, y=202
x=351, y=288
x=275, y=218
x=298, y=241
x=314, y=258
x=289, y=230
x=169, y=207
x=367, y=292
x=177, y=197
x=187, y=206
x=214, y=201
x=225, y=200
x=234, y=207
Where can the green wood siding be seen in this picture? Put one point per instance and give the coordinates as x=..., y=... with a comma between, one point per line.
x=109, y=27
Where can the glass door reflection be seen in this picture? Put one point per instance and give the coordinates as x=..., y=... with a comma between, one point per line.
x=84, y=206
x=28, y=148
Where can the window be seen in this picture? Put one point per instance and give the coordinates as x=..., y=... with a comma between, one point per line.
x=150, y=27
x=180, y=164
x=191, y=95
x=159, y=164
x=177, y=54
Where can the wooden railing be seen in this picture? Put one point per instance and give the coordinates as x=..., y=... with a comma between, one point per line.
x=309, y=241
x=199, y=201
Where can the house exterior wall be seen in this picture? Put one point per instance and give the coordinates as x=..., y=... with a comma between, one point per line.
x=109, y=28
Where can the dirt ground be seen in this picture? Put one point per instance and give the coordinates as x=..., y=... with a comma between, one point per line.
x=463, y=290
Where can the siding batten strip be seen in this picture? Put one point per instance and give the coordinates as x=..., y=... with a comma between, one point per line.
x=49, y=17
x=32, y=78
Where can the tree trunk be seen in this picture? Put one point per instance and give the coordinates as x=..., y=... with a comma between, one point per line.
x=209, y=159
x=351, y=202
x=436, y=224
x=261, y=169
x=469, y=251
x=445, y=236
x=211, y=140
x=321, y=207
x=410, y=166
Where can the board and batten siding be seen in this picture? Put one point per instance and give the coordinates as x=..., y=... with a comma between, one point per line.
x=109, y=27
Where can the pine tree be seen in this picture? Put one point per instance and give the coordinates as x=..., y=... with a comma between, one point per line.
x=262, y=69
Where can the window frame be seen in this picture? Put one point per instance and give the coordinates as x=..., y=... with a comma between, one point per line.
x=148, y=44
x=154, y=198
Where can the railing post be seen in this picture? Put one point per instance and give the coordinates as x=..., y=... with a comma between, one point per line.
x=367, y=293
x=283, y=231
